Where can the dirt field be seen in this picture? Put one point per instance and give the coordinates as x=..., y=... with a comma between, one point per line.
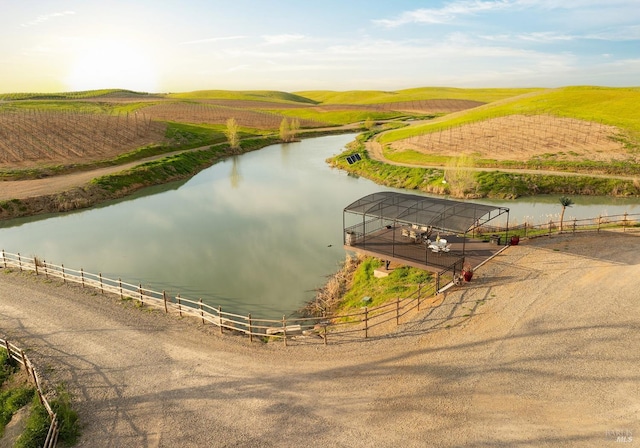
x=523, y=137
x=540, y=349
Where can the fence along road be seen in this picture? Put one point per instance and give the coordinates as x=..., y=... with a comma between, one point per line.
x=508, y=350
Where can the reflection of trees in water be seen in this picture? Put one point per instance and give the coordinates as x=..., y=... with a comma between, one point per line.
x=285, y=153
x=235, y=175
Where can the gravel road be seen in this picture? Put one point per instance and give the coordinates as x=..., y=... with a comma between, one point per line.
x=540, y=349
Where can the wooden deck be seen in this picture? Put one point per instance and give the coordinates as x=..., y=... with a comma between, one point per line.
x=390, y=244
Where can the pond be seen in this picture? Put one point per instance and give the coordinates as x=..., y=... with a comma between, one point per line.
x=254, y=233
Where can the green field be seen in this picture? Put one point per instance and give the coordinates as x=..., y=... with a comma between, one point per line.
x=417, y=94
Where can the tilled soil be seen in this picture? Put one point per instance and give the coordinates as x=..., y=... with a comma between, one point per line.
x=540, y=349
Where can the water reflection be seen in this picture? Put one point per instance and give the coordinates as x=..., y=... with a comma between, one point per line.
x=235, y=176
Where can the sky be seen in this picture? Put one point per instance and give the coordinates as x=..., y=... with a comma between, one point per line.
x=160, y=46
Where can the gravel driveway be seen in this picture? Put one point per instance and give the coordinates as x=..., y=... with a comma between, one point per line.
x=540, y=349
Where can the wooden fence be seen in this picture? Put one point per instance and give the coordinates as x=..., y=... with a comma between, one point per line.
x=17, y=354
x=310, y=329
x=625, y=221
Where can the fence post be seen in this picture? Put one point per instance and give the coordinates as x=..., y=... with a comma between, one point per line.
x=324, y=330
x=164, y=299
x=4, y=259
x=599, y=220
x=284, y=329
x=32, y=372
x=624, y=222
x=574, y=225
x=179, y=306
x=64, y=280
x=82, y=276
x=140, y=292
x=201, y=313
x=6, y=344
x=19, y=262
x=220, y=319
x=366, y=322
x=101, y=288
x=550, y=224
x=525, y=229
x=120, y=284
x=46, y=273
x=35, y=263
x=250, y=328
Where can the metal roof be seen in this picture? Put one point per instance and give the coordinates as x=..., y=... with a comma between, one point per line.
x=445, y=214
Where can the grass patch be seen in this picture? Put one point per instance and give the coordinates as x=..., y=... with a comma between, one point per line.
x=400, y=283
x=11, y=401
x=38, y=422
x=15, y=396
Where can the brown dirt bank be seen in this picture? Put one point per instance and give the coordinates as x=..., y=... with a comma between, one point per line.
x=539, y=350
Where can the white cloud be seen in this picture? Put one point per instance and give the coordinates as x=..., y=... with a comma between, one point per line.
x=279, y=39
x=46, y=17
x=623, y=33
x=445, y=14
x=213, y=39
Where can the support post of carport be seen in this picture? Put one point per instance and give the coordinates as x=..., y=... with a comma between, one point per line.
x=506, y=232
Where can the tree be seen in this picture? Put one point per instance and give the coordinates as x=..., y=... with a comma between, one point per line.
x=232, y=134
x=369, y=123
x=294, y=126
x=285, y=130
x=565, y=202
x=459, y=176
x=288, y=130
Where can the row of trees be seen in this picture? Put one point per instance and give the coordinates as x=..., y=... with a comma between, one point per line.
x=288, y=132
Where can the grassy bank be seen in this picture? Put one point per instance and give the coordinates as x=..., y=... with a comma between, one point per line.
x=16, y=393
x=479, y=184
x=355, y=280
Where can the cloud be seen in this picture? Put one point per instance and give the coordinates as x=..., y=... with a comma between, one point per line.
x=46, y=17
x=213, y=39
x=538, y=37
x=623, y=33
x=445, y=14
x=279, y=39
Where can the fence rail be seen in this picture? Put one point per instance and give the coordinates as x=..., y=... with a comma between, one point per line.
x=310, y=329
x=319, y=329
x=626, y=221
x=17, y=354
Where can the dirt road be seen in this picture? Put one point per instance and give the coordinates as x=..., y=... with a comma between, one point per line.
x=540, y=349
